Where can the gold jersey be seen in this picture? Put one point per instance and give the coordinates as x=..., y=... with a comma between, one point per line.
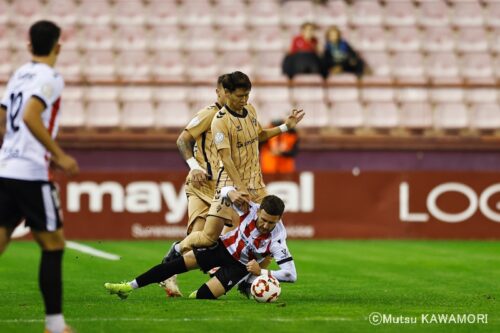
x=205, y=151
x=239, y=133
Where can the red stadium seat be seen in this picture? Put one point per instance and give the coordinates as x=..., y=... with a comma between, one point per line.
x=404, y=39
x=129, y=13
x=438, y=39
x=346, y=115
x=434, y=13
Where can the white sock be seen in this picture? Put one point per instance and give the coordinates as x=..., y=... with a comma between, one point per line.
x=177, y=247
x=133, y=284
x=55, y=323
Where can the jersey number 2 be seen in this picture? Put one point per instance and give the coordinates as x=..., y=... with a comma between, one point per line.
x=16, y=101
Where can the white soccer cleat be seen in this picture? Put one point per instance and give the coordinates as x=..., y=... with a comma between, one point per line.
x=171, y=288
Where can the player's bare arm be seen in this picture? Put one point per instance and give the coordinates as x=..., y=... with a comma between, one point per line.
x=185, y=144
x=3, y=110
x=254, y=268
x=291, y=122
x=33, y=119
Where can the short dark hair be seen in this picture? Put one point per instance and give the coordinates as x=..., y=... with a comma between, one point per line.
x=273, y=205
x=43, y=36
x=220, y=79
x=236, y=80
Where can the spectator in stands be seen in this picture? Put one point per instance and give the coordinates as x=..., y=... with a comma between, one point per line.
x=303, y=56
x=278, y=153
x=339, y=56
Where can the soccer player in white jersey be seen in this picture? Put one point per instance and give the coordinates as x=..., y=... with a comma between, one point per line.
x=31, y=103
x=238, y=253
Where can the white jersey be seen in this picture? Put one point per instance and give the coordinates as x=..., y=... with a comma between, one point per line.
x=246, y=243
x=22, y=156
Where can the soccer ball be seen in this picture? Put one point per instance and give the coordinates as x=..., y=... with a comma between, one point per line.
x=265, y=288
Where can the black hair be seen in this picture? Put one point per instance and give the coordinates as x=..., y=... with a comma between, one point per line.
x=236, y=80
x=273, y=205
x=220, y=79
x=43, y=36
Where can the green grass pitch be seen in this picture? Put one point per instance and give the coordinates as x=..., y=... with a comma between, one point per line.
x=339, y=284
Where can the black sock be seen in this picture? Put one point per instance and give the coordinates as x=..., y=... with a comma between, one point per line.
x=204, y=293
x=161, y=272
x=50, y=280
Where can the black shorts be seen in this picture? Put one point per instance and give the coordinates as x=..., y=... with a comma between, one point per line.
x=35, y=201
x=231, y=270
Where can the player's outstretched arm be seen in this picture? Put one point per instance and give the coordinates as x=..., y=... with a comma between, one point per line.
x=290, y=123
x=185, y=144
x=33, y=119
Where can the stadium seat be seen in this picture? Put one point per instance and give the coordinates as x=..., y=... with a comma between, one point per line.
x=27, y=11
x=416, y=115
x=438, y=39
x=63, y=12
x=492, y=14
x=235, y=60
x=342, y=94
x=381, y=115
x=368, y=39
x=129, y=13
x=161, y=12
x=130, y=38
x=271, y=94
x=4, y=37
x=443, y=95
x=404, y=39
x=202, y=66
x=346, y=115
x=467, y=14
x=264, y=13
x=95, y=12
x=69, y=64
x=270, y=38
x=400, y=13
x=367, y=13
x=471, y=40
x=97, y=37
x=170, y=93
x=477, y=68
x=199, y=39
x=317, y=113
x=230, y=13
x=137, y=107
x=168, y=65
x=332, y=13
x=197, y=13
x=294, y=13
x=5, y=14
x=103, y=110
x=165, y=37
x=72, y=114
x=267, y=66
x=379, y=62
x=269, y=111
x=204, y=94
x=133, y=66
x=172, y=114
x=70, y=38
x=451, y=116
x=233, y=39
x=481, y=95
x=377, y=95
x=19, y=37
x=412, y=95
x=408, y=66
x=307, y=94
x=99, y=65
x=443, y=67
x=485, y=116
x=433, y=13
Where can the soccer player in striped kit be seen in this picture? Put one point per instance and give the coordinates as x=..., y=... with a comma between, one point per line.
x=31, y=103
x=238, y=253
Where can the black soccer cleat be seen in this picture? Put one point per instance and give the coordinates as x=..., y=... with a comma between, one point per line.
x=244, y=288
x=171, y=254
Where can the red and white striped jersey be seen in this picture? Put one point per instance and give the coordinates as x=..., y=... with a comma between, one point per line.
x=22, y=156
x=246, y=243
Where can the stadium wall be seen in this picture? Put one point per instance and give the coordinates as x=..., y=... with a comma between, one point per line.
x=320, y=204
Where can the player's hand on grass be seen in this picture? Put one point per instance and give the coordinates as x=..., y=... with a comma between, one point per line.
x=197, y=176
x=67, y=163
x=294, y=118
x=253, y=267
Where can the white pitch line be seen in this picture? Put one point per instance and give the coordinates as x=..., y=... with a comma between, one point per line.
x=90, y=250
x=181, y=319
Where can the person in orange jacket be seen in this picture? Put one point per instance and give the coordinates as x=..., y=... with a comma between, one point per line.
x=278, y=153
